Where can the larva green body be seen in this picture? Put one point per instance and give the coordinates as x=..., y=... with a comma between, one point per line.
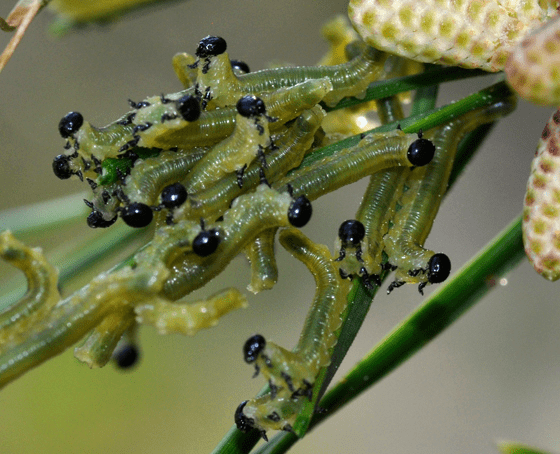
x=249, y=215
x=41, y=296
x=250, y=137
x=213, y=126
x=149, y=176
x=218, y=84
x=289, y=150
x=260, y=253
x=379, y=201
x=421, y=200
x=71, y=319
x=372, y=154
x=291, y=374
x=347, y=79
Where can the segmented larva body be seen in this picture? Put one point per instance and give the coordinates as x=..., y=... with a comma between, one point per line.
x=533, y=67
x=41, y=296
x=421, y=200
x=372, y=154
x=468, y=33
x=541, y=211
x=249, y=215
x=248, y=141
x=215, y=125
x=260, y=253
x=291, y=374
x=290, y=148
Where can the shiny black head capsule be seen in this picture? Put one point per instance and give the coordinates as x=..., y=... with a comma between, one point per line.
x=95, y=220
x=300, y=211
x=206, y=242
x=243, y=423
x=188, y=107
x=351, y=232
x=439, y=268
x=421, y=152
x=250, y=106
x=61, y=167
x=240, y=66
x=70, y=123
x=254, y=345
x=127, y=357
x=137, y=215
x=173, y=196
x=211, y=46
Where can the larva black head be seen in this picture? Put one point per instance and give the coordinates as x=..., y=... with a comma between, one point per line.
x=254, y=345
x=95, y=220
x=241, y=66
x=243, y=423
x=137, y=214
x=439, y=268
x=70, y=123
x=211, y=46
x=300, y=211
x=173, y=195
x=351, y=232
x=189, y=108
x=251, y=106
x=421, y=152
x=127, y=356
x=206, y=242
x=61, y=167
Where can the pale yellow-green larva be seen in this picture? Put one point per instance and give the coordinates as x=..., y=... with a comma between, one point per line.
x=468, y=33
x=541, y=211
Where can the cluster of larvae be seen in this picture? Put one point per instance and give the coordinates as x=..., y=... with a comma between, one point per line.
x=216, y=170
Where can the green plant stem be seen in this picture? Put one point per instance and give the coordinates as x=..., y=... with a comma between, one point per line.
x=386, y=88
x=423, y=121
x=470, y=284
x=44, y=216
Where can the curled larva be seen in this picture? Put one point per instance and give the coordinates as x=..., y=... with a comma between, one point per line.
x=291, y=374
x=541, y=210
x=214, y=126
x=420, y=202
x=248, y=141
x=249, y=215
x=289, y=149
x=373, y=153
x=77, y=315
x=470, y=33
x=375, y=211
x=218, y=86
x=148, y=177
x=532, y=68
x=42, y=293
x=260, y=253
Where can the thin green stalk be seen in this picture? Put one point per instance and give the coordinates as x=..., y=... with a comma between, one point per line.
x=43, y=216
x=423, y=121
x=385, y=88
x=467, y=287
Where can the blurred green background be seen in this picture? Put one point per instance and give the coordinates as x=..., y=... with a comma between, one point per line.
x=492, y=375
